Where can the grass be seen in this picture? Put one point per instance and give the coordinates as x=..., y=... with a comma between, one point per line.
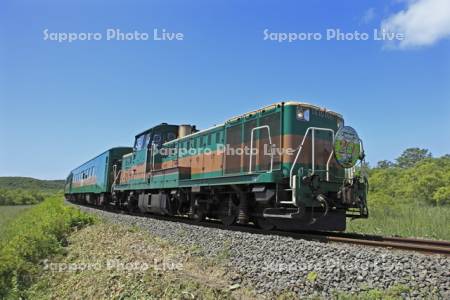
x=164, y=270
x=406, y=221
x=395, y=292
x=8, y=213
x=31, y=236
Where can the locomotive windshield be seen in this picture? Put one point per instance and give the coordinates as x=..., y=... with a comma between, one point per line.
x=140, y=142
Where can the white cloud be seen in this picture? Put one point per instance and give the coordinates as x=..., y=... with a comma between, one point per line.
x=368, y=16
x=423, y=22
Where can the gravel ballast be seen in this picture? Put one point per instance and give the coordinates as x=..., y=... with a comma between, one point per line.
x=276, y=264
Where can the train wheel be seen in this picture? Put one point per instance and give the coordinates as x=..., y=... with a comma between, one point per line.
x=197, y=212
x=197, y=215
x=228, y=211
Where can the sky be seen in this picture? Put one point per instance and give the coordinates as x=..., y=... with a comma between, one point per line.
x=63, y=102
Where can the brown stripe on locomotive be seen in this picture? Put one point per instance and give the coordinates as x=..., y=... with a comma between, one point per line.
x=323, y=150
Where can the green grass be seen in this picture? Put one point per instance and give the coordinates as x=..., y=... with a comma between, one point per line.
x=8, y=213
x=406, y=221
x=105, y=242
x=31, y=236
x=396, y=292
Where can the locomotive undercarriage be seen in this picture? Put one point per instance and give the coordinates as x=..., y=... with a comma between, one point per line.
x=240, y=204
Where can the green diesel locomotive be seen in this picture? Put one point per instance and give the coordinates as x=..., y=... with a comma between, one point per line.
x=289, y=165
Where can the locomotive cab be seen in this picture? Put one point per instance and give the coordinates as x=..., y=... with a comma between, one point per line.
x=137, y=165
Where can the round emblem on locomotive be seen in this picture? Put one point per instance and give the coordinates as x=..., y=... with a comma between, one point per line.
x=347, y=147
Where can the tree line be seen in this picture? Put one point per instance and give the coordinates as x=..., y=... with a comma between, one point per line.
x=25, y=190
x=415, y=177
x=20, y=197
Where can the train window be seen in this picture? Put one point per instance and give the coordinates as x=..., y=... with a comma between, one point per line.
x=209, y=139
x=140, y=141
x=171, y=136
x=147, y=140
x=218, y=137
x=157, y=138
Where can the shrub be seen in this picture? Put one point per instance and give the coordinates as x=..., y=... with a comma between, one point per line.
x=425, y=183
x=34, y=235
x=22, y=197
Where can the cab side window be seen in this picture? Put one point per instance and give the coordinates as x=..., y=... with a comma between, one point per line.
x=171, y=136
x=157, y=138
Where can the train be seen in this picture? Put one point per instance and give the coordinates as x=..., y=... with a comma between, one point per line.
x=290, y=165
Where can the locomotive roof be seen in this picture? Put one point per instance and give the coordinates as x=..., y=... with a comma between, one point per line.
x=304, y=104
x=103, y=153
x=155, y=127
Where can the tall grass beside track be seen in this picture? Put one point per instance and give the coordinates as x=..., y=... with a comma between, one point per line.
x=406, y=221
x=33, y=235
x=8, y=213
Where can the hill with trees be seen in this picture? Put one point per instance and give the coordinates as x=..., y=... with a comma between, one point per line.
x=28, y=183
x=415, y=177
x=26, y=190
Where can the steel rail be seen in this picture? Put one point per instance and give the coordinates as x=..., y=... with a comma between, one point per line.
x=409, y=244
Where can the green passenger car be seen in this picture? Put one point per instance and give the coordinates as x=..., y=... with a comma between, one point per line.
x=92, y=180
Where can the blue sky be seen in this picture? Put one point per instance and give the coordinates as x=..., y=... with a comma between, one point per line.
x=63, y=103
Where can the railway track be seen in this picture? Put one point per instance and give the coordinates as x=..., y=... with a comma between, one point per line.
x=409, y=244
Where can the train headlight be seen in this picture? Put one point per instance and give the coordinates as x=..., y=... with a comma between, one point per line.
x=302, y=114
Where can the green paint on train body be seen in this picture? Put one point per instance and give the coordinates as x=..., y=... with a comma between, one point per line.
x=160, y=162
x=283, y=119
x=96, y=175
